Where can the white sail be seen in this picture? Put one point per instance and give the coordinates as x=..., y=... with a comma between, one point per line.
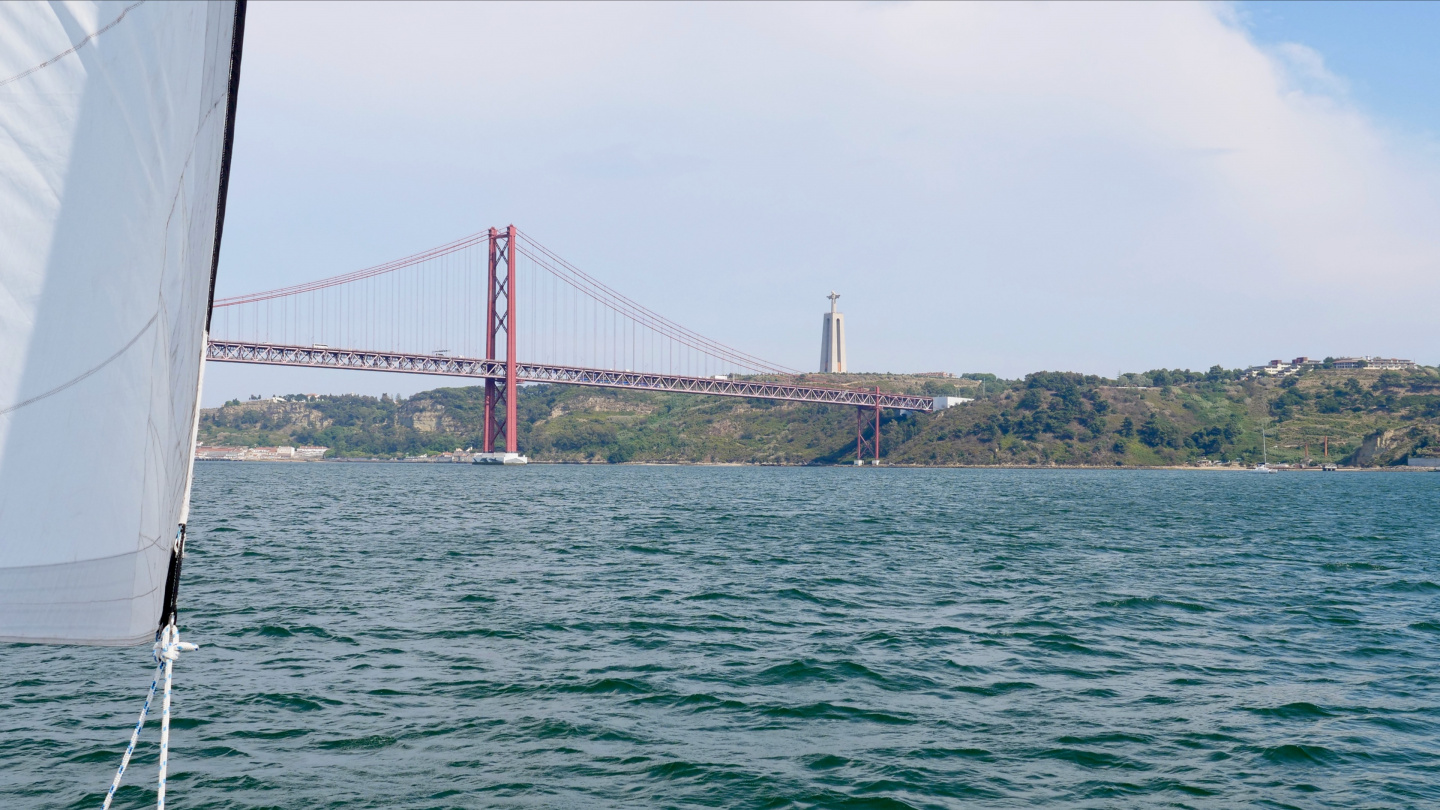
x=114, y=121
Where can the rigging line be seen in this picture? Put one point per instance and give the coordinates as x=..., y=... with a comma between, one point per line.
x=107, y=361
x=134, y=737
x=170, y=648
x=72, y=49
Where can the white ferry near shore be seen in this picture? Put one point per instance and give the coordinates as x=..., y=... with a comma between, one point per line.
x=500, y=458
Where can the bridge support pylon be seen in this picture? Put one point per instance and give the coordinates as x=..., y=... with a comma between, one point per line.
x=863, y=414
x=500, y=317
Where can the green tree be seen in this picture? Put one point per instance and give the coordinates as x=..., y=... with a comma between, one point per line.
x=1157, y=433
x=1388, y=379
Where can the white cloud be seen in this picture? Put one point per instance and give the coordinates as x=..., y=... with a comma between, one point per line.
x=993, y=186
x=1306, y=66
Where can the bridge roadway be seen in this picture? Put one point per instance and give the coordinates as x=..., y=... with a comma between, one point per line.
x=226, y=351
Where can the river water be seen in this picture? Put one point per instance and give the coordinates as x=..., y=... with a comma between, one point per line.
x=388, y=635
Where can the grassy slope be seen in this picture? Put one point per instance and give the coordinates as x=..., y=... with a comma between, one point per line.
x=1047, y=418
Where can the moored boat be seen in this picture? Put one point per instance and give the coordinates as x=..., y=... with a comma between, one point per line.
x=500, y=458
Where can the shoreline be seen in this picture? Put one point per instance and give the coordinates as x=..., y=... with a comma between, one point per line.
x=1188, y=468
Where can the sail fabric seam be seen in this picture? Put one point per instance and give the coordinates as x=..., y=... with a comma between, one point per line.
x=102, y=641
x=87, y=601
x=107, y=361
x=154, y=541
x=77, y=46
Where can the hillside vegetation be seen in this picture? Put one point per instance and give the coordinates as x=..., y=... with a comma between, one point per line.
x=1162, y=417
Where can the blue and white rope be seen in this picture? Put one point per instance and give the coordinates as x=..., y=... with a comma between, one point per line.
x=134, y=737
x=167, y=649
x=169, y=654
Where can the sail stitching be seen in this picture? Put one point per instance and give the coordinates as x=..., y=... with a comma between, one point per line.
x=107, y=361
x=77, y=46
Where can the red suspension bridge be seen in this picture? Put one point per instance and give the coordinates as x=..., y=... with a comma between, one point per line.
x=456, y=311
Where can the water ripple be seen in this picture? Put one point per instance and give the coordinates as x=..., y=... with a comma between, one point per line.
x=435, y=636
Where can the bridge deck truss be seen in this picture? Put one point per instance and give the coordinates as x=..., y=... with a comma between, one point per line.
x=439, y=365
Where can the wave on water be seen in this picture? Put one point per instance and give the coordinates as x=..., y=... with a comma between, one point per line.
x=383, y=636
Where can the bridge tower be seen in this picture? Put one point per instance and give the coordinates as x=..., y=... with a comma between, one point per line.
x=500, y=314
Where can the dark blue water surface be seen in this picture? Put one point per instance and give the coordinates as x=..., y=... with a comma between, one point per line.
x=388, y=635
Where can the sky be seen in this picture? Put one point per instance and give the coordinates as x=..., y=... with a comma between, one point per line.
x=995, y=188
